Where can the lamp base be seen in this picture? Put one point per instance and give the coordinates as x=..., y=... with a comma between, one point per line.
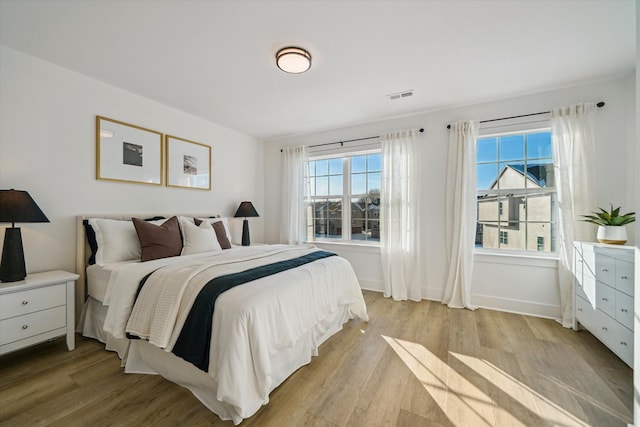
x=12, y=268
x=245, y=233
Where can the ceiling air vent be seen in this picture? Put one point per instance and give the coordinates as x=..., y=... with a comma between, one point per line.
x=399, y=95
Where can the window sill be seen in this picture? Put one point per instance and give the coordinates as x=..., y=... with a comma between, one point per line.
x=516, y=258
x=348, y=245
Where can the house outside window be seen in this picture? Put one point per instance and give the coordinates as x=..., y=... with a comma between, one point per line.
x=516, y=192
x=330, y=192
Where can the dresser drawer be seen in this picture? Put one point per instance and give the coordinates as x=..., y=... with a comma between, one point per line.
x=606, y=299
x=19, y=303
x=586, y=314
x=580, y=292
x=623, y=345
x=624, y=277
x=624, y=309
x=28, y=325
x=606, y=270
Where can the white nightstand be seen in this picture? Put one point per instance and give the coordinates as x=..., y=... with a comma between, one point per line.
x=36, y=309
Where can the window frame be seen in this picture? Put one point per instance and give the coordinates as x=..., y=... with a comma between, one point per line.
x=346, y=197
x=524, y=193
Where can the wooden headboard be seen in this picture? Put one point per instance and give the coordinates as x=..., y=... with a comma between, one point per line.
x=83, y=250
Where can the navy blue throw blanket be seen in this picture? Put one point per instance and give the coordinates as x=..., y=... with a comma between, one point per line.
x=195, y=337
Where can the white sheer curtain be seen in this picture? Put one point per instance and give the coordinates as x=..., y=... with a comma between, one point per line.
x=460, y=213
x=573, y=139
x=399, y=216
x=295, y=178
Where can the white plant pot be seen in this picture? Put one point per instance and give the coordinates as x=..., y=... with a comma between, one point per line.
x=612, y=234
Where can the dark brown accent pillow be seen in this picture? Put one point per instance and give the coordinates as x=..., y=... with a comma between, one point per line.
x=221, y=234
x=159, y=241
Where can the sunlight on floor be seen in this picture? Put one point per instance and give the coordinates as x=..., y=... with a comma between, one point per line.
x=464, y=403
x=527, y=397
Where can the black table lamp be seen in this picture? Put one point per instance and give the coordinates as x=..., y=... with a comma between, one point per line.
x=16, y=206
x=246, y=210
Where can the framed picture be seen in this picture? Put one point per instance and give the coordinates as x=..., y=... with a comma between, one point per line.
x=128, y=153
x=188, y=163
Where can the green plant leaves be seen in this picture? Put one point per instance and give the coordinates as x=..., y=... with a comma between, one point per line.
x=611, y=217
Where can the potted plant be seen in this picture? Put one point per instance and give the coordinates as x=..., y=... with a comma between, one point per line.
x=611, y=225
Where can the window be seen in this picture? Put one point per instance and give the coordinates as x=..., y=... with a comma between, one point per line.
x=330, y=192
x=516, y=192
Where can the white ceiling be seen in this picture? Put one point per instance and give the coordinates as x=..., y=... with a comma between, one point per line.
x=216, y=59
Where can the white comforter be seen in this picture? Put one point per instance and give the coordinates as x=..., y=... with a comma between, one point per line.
x=251, y=323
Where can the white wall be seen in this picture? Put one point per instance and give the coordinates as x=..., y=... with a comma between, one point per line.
x=507, y=283
x=47, y=147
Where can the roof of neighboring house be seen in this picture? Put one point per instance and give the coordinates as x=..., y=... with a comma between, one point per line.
x=536, y=172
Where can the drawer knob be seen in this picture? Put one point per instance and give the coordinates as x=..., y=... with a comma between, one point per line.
x=604, y=299
x=623, y=343
x=624, y=277
x=624, y=310
x=25, y=302
x=25, y=326
x=604, y=328
x=605, y=269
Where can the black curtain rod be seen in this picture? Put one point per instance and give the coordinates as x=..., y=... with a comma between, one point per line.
x=599, y=104
x=349, y=140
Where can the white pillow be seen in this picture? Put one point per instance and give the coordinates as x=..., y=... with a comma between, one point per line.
x=117, y=240
x=198, y=239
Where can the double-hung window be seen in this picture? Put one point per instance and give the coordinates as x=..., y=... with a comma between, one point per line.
x=344, y=197
x=516, y=192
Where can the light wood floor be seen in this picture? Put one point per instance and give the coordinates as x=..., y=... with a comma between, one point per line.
x=413, y=364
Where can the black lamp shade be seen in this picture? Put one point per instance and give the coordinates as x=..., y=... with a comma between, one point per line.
x=246, y=210
x=16, y=206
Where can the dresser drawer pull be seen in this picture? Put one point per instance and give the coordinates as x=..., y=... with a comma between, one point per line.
x=624, y=277
x=604, y=328
x=579, y=309
x=25, y=302
x=623, y=343
x=25, y=326
x=605, y=269
x=624, y=310
x=605, y=299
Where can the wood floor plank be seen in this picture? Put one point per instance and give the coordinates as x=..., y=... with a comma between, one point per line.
x=412, y=364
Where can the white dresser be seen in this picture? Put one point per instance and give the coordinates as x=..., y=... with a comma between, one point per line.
x=36, y=309
x=603, y=301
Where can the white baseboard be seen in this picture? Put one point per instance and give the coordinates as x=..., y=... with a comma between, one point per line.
x=547, y=311
x=371, y=285
x=508, y=305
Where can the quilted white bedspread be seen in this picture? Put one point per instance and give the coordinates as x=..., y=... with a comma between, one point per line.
x=251, y=322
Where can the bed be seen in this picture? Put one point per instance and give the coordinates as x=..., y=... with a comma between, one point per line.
x=272, y=306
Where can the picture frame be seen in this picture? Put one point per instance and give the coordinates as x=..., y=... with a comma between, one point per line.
x=128, y=153
x=188, y=163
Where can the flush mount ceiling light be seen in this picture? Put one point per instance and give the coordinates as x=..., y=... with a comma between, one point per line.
x=293, y=60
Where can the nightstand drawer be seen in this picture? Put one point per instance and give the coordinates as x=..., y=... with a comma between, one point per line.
x=19, y=303
x=21, y=327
